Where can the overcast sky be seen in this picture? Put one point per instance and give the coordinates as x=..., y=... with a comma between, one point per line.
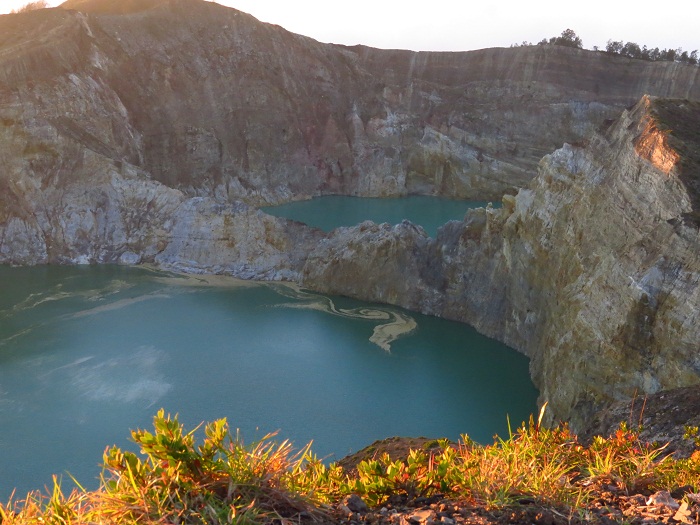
x=461, y=25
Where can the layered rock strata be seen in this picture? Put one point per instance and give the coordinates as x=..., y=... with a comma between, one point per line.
x=209, y=101
x=142, y=131
x=592, y=270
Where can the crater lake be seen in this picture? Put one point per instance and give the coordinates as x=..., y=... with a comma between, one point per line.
x=89, y=352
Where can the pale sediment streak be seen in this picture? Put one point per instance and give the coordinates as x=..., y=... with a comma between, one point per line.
x=116, y=305
x=58, y=294
x=35, y=299
x=384, y=334
x=391, y=325
x=16, y=335
x=202, y=280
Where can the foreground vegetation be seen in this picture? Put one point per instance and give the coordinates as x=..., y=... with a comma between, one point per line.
x=222, y=480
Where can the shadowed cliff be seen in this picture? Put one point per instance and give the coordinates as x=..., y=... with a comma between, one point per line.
x=210, y=101
x=679, y=123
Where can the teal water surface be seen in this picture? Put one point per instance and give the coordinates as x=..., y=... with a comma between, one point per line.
x=87, y=353
x=332, y=211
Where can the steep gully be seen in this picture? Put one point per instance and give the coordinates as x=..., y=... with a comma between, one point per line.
x=148, y=131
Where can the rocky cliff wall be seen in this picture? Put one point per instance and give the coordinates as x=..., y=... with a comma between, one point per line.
x=611, y=287
x=209, y=101
x=592, y=270
x=137, y=131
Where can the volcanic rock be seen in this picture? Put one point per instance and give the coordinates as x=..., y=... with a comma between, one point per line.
x=146, y=131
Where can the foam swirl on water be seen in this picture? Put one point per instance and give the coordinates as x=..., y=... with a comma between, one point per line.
x=396, y=324
x=393, y=324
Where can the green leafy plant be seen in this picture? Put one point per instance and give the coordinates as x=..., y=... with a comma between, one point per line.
x=692, y=433
x=623, y=459
x=378, y=479
x=219, y=481
x=534, y=462
x=175, y=479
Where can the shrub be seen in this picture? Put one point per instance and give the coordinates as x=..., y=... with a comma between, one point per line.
x=221, y=480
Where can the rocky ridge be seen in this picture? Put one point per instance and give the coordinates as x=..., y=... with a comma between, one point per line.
x=591, y=270
x=147, y=131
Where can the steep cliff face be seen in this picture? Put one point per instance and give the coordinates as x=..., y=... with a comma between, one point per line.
x=143, y=130
x=592, y=270
x=612, y=273
x=208, y=100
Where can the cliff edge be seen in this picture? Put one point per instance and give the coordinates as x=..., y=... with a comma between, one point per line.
x=606, y=239
x=591, y=270
x=148, y=131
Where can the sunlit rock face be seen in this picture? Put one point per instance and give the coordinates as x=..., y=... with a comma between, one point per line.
x=592, y=270
x=604, y=238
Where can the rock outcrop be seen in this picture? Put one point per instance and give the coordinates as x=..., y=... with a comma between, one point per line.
x=208, y=100
x=146, y=131
x=592, y=270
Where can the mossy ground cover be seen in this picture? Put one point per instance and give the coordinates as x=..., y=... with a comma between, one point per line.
x=176, y=479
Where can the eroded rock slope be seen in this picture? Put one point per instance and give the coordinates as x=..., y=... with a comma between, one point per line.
x=177, y=99
x=592, y=271
x=146, y=131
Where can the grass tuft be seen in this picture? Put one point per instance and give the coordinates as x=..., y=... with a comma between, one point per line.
x=173, y=479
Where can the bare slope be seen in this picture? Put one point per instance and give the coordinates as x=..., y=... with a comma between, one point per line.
x=679, y=122
x=114, y=7
x=592, y=270
x=136, y=131
x=210, y=101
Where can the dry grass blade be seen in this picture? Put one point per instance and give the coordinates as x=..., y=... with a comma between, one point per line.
x=223, y=481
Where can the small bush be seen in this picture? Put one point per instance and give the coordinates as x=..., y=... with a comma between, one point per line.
x=221, y=480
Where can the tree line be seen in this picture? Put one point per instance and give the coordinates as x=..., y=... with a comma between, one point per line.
x=569, y=38
x=632, y=50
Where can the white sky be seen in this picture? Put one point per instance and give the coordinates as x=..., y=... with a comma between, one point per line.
x=460, y=25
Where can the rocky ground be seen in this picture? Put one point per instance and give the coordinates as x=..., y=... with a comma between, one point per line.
x=609, y=504
x=662, y=417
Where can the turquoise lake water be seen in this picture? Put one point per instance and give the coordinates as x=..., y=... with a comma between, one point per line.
x=88, y=353
x=332, y=211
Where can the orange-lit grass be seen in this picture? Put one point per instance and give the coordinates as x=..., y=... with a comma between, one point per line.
x=221, y=480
